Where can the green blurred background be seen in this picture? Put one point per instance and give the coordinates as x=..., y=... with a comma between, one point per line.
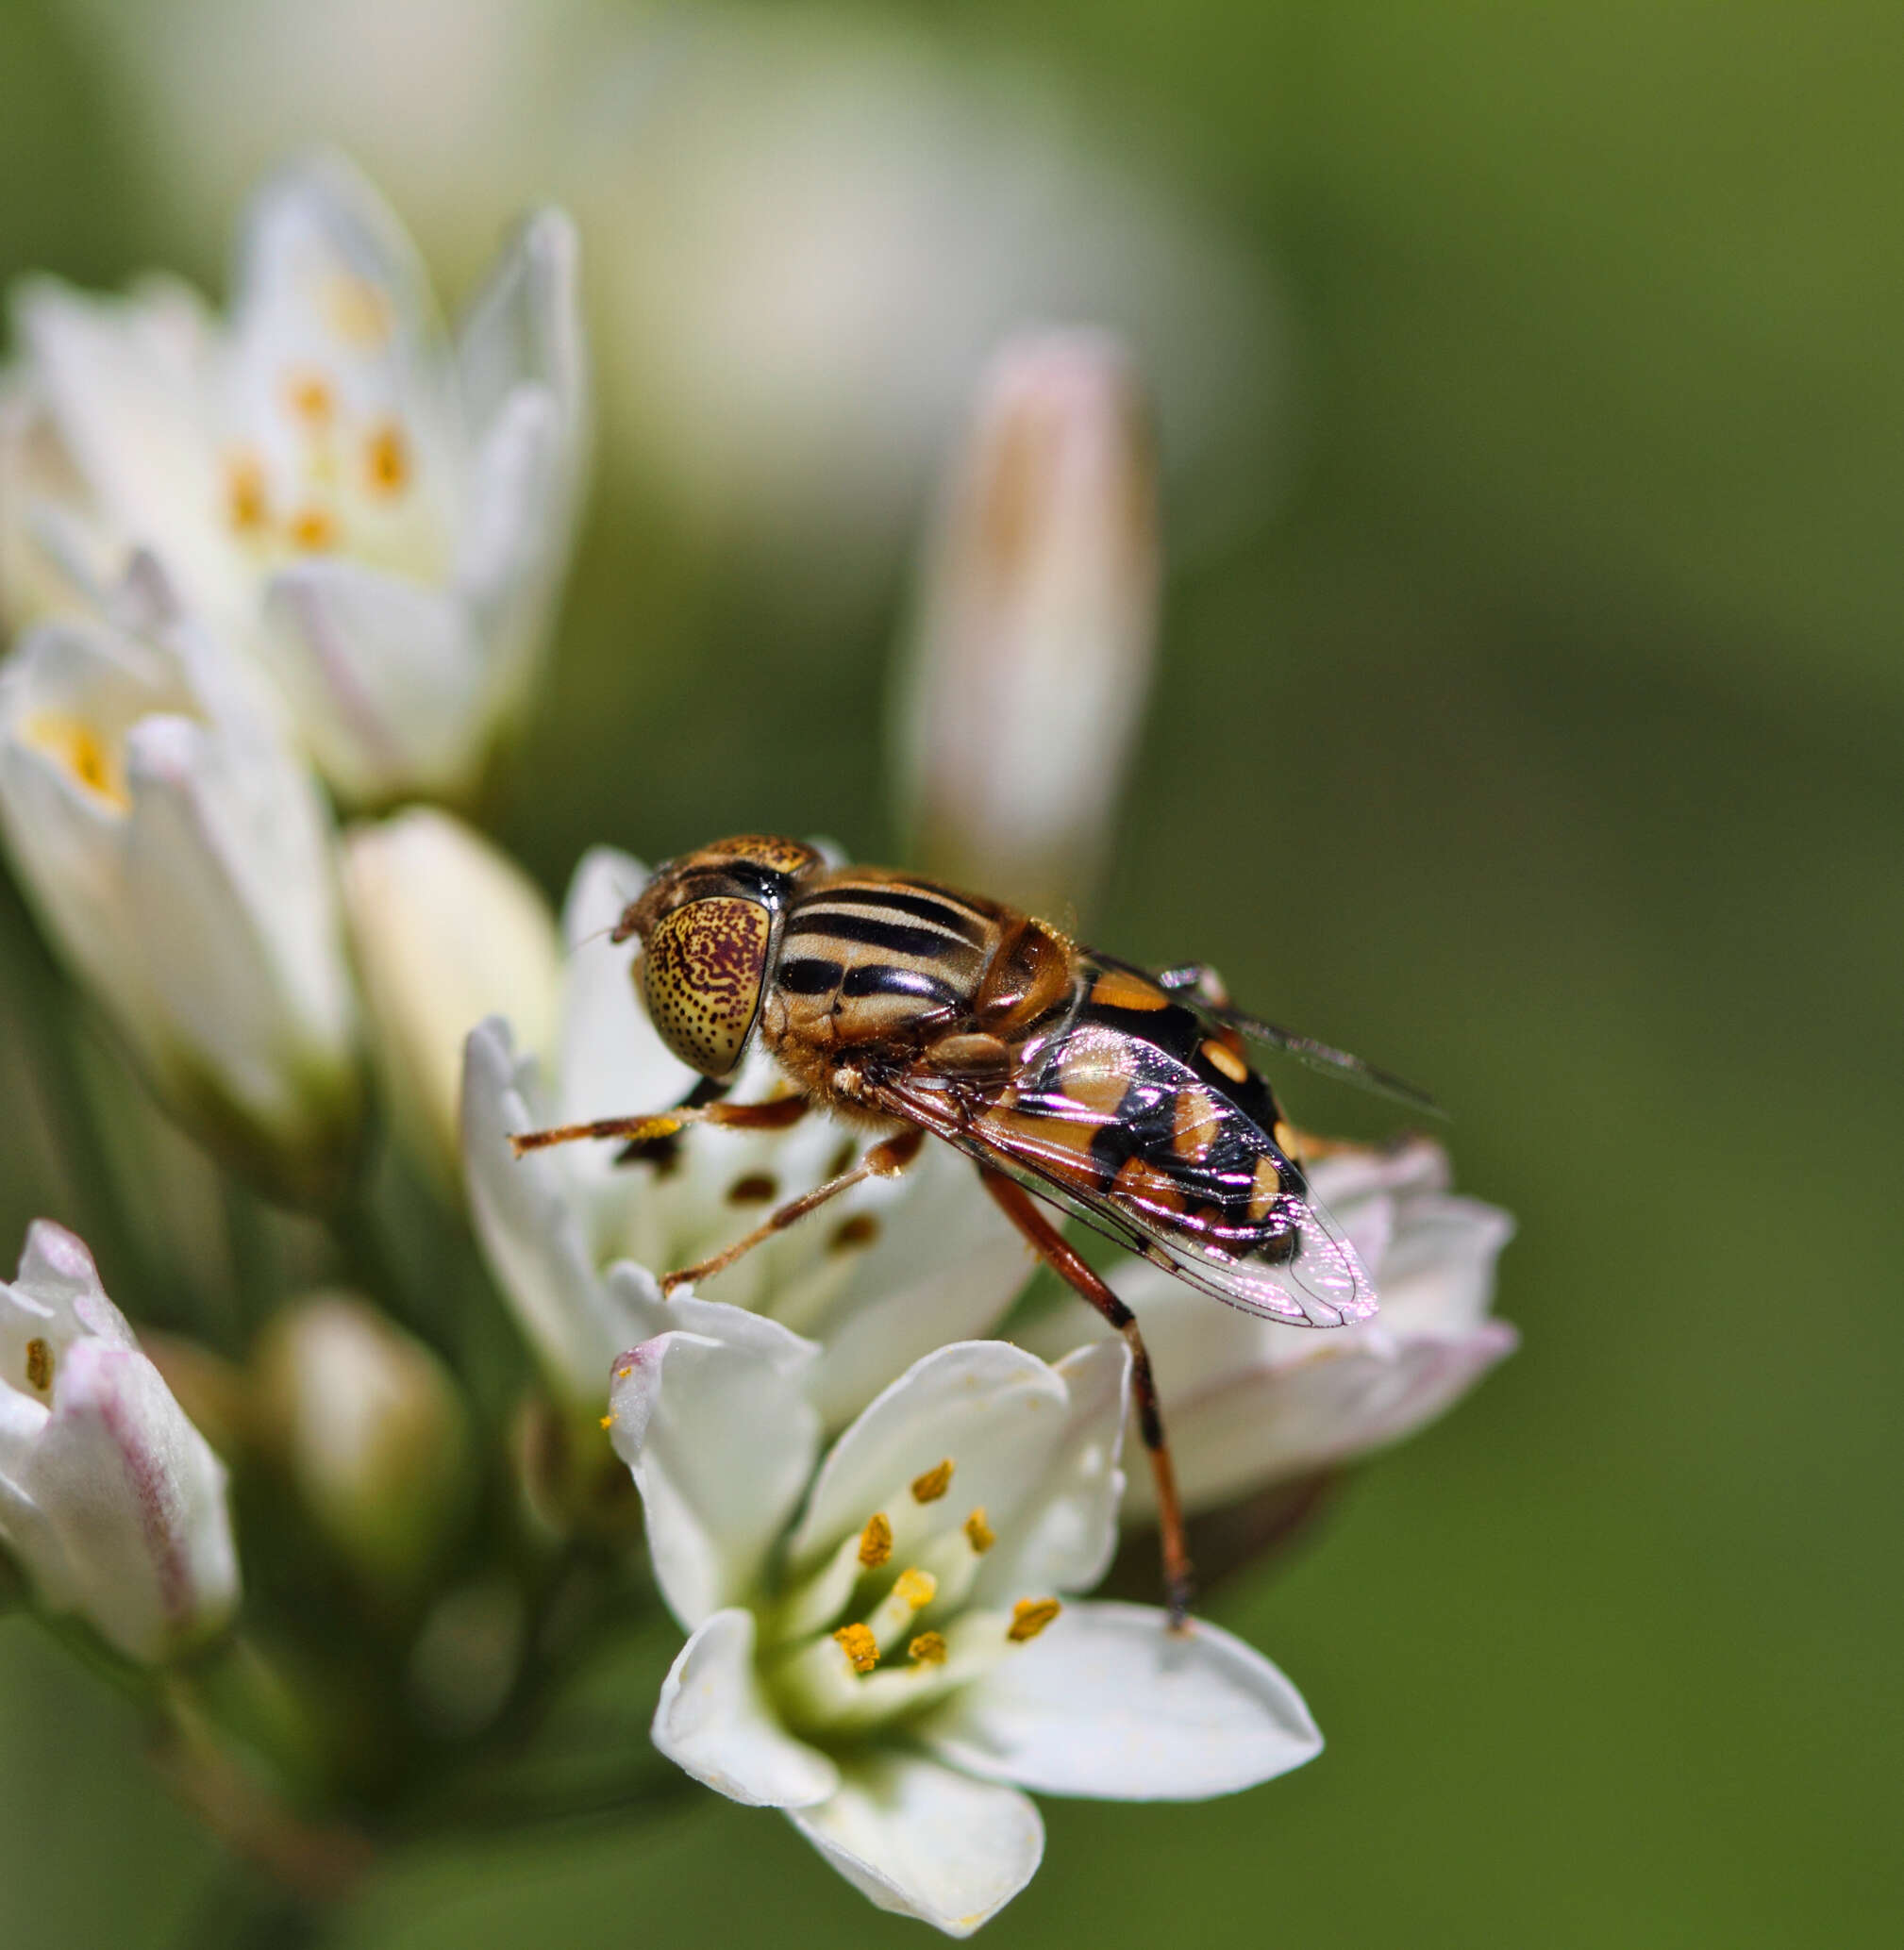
x=1530, y=718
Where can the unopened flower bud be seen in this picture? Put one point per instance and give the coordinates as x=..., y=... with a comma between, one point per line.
x=447, y=930
x=180, y=858
x=372, y=1431
x=1026, y=676
x=112, y=1502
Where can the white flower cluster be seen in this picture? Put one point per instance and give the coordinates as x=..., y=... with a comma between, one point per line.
x=308, y=557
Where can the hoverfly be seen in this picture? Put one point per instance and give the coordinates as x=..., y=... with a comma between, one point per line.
x=1123, y=1098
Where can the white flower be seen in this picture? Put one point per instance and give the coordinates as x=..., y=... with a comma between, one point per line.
x=1030, y=651
x=886, y=1272
x=447, y=930
x=179, y=857
x=883, y=1642
x=1248, y=1403
x=381, y=515
x=110, y=1499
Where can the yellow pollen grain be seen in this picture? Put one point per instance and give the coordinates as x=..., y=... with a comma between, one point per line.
x=929, y=1649
x=915, y=1588
x=246, y=504
x=1029, y=1617
x=80, y=749
x=39, y=1365
x=387, y=460
x=933, y=1484
x=310, y=397
x=858, y=1642
x=623, y=1374
x=875, y=1540
x=609, y=1419
x=313, y=528
x=978, y=1533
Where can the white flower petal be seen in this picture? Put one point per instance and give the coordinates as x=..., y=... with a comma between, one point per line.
x=924, y=1841
x=1272, y=1422
x=722, y=1441
x=612, y=1063
x=945, y=1266
x=1062, y=1536
x=525, y=326
x=513, y=538
x=129, y=395
x=382, y=674
x=1109, y=1702
x=448, y=932
x=714, y=1722
x=999, y=1413
x=526, y=1217
x=1438, y=1274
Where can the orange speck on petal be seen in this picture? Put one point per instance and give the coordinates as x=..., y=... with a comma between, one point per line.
x=387, y=459
x=246, y=503
x=310, y=397
x=313, y=529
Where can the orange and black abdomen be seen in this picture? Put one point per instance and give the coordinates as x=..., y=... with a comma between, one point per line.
x=866, y=959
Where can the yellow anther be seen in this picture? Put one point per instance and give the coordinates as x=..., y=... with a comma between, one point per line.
x=934, y=1483
x=1029, y=1617
x=79, y=748
x=313, y=528
x=39, y=1365
x=387, y=460
x=978, y=1533
x=246, y=503
x=929, y=1649
x=875, y=1540
x=309, y=396
x=915, y=1588
x=859, y=1646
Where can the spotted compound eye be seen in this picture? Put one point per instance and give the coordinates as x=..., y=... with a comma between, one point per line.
x=701, y=976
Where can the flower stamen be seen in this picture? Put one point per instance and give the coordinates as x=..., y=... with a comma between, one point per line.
x=39, y=1365
x=875, y=1540
x=978, y=1533
x=930, y=1486
x=1029, y=1617
x=313, y=529
x=928, y=1649
x=387, y=460
x=858, y=1642
x=247, y=504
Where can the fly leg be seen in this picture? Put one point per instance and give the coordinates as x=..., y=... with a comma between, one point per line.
x=1017, y=1205
x=886, y=1159
x=776, y=1116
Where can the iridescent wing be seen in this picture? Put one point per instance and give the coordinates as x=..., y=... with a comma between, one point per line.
x=1191, y=986
x=1150, y=1147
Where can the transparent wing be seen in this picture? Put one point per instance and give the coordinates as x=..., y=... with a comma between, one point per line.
x=1128, y=1138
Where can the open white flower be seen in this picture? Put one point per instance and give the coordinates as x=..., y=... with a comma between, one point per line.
x=883, y=1644
x=179, y=856
x=381, y=515
x=888, y=1271
x=1250, y=1402
x=1025, y=680
x=111, y=1500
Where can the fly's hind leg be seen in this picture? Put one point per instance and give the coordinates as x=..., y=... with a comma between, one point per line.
x=1017, y=1205
x=886, y=1159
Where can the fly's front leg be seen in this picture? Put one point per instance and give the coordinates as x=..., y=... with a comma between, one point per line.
x=1051, y=1246
x=776, y=1116
x=886, y=1159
